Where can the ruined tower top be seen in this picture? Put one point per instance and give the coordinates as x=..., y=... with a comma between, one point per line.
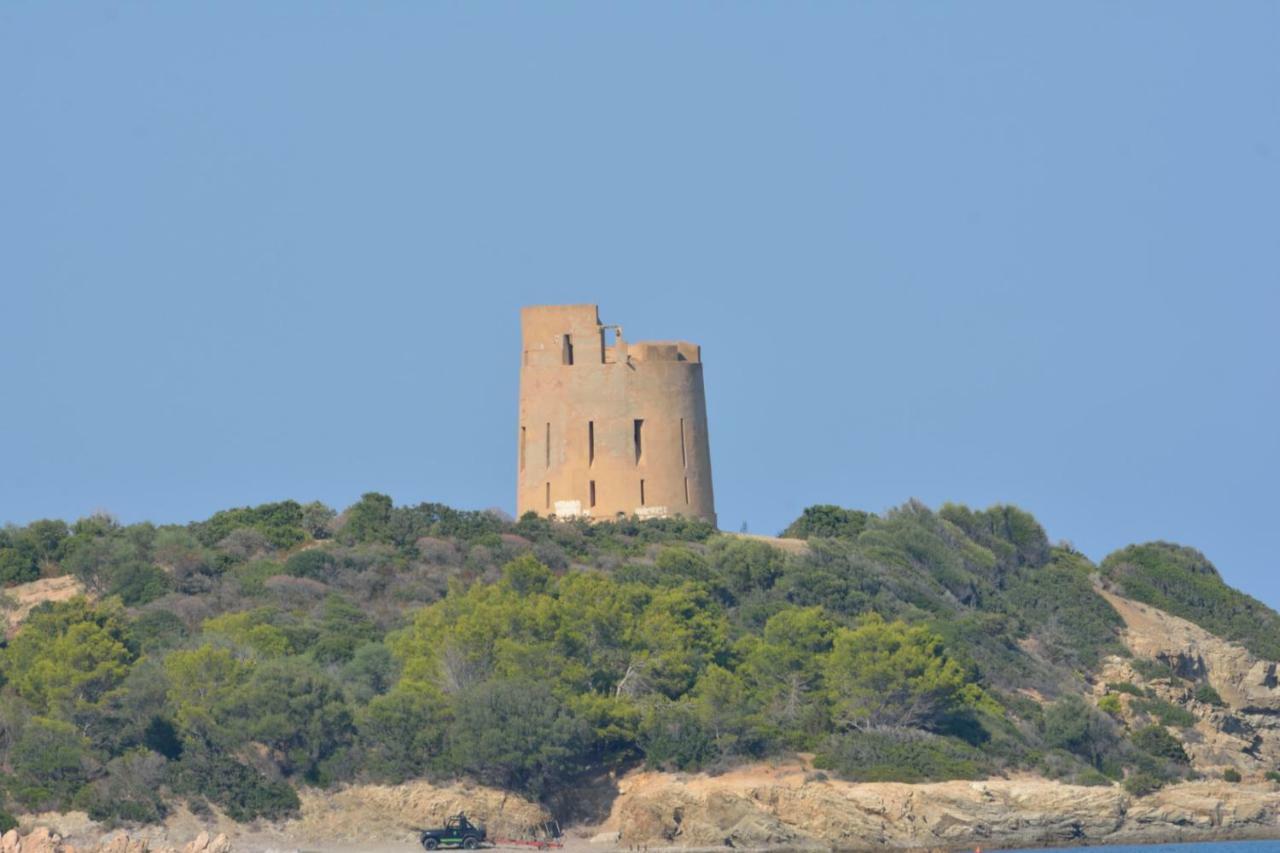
x=609, y=428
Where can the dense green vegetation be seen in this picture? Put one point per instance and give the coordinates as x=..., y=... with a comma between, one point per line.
x=1183, y=582
x=230, y=660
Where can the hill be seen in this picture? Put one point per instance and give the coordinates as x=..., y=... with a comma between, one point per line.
x=225, y=665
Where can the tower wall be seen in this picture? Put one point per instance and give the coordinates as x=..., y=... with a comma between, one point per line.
x=609, y=428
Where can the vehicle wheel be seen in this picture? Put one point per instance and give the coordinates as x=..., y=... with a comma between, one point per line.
x=471, y=842
x=430, y=843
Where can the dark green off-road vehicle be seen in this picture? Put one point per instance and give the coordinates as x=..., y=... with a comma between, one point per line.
x=456, y=832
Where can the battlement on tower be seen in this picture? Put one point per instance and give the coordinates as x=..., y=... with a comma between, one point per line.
x=609, y=428
x=666, y=351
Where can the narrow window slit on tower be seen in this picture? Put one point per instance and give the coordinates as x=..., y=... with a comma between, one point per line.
x=642, y=493
x=591, y=443
x=684, y=460
x=548, y=500
x=523, y=440
x=686, y=489
x=591, y=494
x=548, y=444
x=639, y=428
x=566, y=353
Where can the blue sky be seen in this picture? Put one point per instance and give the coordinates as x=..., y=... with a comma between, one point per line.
x=1014, y=252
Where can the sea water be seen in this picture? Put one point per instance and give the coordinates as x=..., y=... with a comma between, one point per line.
x=1198, y=847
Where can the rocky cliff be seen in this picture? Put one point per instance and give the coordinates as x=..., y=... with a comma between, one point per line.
x=752, y=807
x=1241, y=733
x=353, y=817
x=769, y=807
x=41, y=839
x=17, y=601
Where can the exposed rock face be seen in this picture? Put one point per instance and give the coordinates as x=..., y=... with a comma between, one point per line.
x=393, y=812
x=752, y=807
x=358, y=815
x=1246, y=683
x=25, y=596
x=1245, y=734
x=761, y=808
x=41, y=839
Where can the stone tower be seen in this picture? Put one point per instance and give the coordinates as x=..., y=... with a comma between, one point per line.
x=609, y=428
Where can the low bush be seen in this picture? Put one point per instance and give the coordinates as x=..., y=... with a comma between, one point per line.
x=673, y=737
x=1182, y=581
x=129, y=792
x=1156, y=741
x=313, y=564
x=1071, y=724
x=252, y=576
x=139, y=583
x=829, y=521
x=157, y=630
x=1231, y=775
x=1167, y=713
x=242, y=792
x=1092, y=778
x=1273, y=775
x=1206, y=694
x=1124, y=687
x=901, y=756
x=1152, y=670
x=1141, y=784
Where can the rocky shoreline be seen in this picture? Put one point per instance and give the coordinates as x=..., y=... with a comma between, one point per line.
x=759, y=808
x=793, y=812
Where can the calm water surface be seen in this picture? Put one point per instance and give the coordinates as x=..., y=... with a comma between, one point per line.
x=1205, y=847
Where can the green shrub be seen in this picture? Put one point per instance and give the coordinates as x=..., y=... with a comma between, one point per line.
x=1231, y=775
x=515, y=735
x=1152, y=670
x=1166, y=712
x=1075, y=625
x=1156, y=741
x=295, y=708
x=901, y=756
x=1092, y=778
x=157, y=630
x=314, y=564
x=242, y=792
x=1124, y=687
x=129, y=792
x=17, y=566
x=1141, y=784
x=1273, y=775
x=343, y=628
x=138, y=583
x=280, y=523
x=1110, y=704
x=1012, y=533
x=7, y=822
x=48, y=765
x=672, y=736
x=402, y=733
x=894, y=674
x=1205, y=693
x=1071, y=724
x=252, y=576
x=1181, y=581
x=829, y=521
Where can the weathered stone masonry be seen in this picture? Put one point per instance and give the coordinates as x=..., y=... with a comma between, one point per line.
x=609, y=428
